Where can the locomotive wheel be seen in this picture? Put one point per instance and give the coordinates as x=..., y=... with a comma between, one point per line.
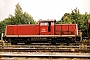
x=9, y=40
x=28, y=42
x=13, y=43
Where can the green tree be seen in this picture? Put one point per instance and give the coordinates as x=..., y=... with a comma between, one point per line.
x=66, y=19
x=76, y=16
x=19, y=17
x=22, y=17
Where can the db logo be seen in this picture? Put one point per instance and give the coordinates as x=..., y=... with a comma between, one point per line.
x=43, y=30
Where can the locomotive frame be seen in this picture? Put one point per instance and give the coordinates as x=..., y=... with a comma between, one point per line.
x=46, y=31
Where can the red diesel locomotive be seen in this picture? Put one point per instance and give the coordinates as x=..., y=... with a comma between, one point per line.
x=45, y=31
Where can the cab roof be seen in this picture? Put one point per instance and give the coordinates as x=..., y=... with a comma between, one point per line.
x=48, y=20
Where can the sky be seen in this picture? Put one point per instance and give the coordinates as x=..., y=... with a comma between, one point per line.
x=44, y=9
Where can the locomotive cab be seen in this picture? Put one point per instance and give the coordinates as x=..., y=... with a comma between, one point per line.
x=47, y=27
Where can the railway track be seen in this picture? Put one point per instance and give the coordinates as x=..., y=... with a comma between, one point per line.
x=45, y=48
x=56, y=51
x=45, y=54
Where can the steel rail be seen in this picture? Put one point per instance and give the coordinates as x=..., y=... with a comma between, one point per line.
x=44, y=50
x=47, y=55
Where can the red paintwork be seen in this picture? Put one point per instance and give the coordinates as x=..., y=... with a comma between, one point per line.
x=43, y=30
x=55, y=29
x=22, y=30
x=65, y=29
x=9, y=30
